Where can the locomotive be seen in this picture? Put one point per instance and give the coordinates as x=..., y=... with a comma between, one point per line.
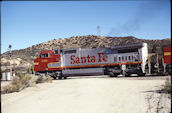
x=167, y=59
x=113, y=61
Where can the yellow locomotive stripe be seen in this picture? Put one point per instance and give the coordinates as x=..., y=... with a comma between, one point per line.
x=36, y=63
x=167, y=53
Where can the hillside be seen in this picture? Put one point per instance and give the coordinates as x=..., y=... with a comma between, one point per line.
x=89, y=41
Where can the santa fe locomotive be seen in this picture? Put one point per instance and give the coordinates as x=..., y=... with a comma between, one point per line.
x=167, y=59
x=112, y=61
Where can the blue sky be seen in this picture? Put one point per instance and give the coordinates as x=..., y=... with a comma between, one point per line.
x=24, y=24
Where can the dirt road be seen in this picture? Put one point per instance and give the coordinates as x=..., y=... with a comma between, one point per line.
x=84, y=95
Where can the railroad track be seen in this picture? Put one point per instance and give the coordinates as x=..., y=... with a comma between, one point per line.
x=132, y=77
x=147, y=77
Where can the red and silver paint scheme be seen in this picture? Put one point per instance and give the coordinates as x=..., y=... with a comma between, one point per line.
x=167, y=59
x=167, y=54
x=107, y=60
x=46, y=60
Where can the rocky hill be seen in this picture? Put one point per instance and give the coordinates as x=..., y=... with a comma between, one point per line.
x=89, y=41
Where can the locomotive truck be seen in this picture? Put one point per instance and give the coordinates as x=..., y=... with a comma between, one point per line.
x=113, y=61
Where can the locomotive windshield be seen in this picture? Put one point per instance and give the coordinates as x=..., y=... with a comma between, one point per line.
x=56, y=52
x=44, y=55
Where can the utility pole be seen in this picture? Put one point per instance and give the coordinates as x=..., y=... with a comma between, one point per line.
x=98, y=30
x=10, y=46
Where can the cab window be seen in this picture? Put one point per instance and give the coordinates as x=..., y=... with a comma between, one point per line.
x=115, y=59
x=125, y=57
x=56, y=52
x=44, y=55
x=122, y=57
x=119, y=59
x=128, y=57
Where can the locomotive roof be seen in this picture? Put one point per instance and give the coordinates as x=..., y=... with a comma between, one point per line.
x=46, y=51
x=136, y=45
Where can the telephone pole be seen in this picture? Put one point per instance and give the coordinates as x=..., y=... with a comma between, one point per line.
x=10, y=46
x=98, y=30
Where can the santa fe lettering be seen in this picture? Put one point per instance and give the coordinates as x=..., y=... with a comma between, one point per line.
x=88, y=59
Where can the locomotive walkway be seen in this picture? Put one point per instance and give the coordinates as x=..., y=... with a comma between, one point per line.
x=85, y=95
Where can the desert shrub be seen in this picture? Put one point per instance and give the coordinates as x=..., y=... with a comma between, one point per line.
x=25, y=80
x=19, y=82
x=43, y=78
x=22, y=80
x=167, y=87
x=9, y=89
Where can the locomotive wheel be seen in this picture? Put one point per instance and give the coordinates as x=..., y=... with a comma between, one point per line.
x=127, y=75
x=60, y=77
x=115, y=75
x=111, y=74
x=54, y=78
x=141, y=74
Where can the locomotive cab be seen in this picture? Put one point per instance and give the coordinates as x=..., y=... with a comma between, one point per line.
x=47, y=61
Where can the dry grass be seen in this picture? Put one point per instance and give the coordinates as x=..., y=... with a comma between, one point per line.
x=19, y=82
x=167, y=87
x=22, y=81
x=43, y=78
x=157, y=99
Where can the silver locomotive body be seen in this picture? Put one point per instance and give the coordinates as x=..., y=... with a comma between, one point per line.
x=124, y=59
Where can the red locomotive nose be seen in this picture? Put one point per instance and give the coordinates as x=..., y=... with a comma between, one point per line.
x=46, y=58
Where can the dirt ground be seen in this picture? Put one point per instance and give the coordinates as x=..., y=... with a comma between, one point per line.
x=99, y=94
